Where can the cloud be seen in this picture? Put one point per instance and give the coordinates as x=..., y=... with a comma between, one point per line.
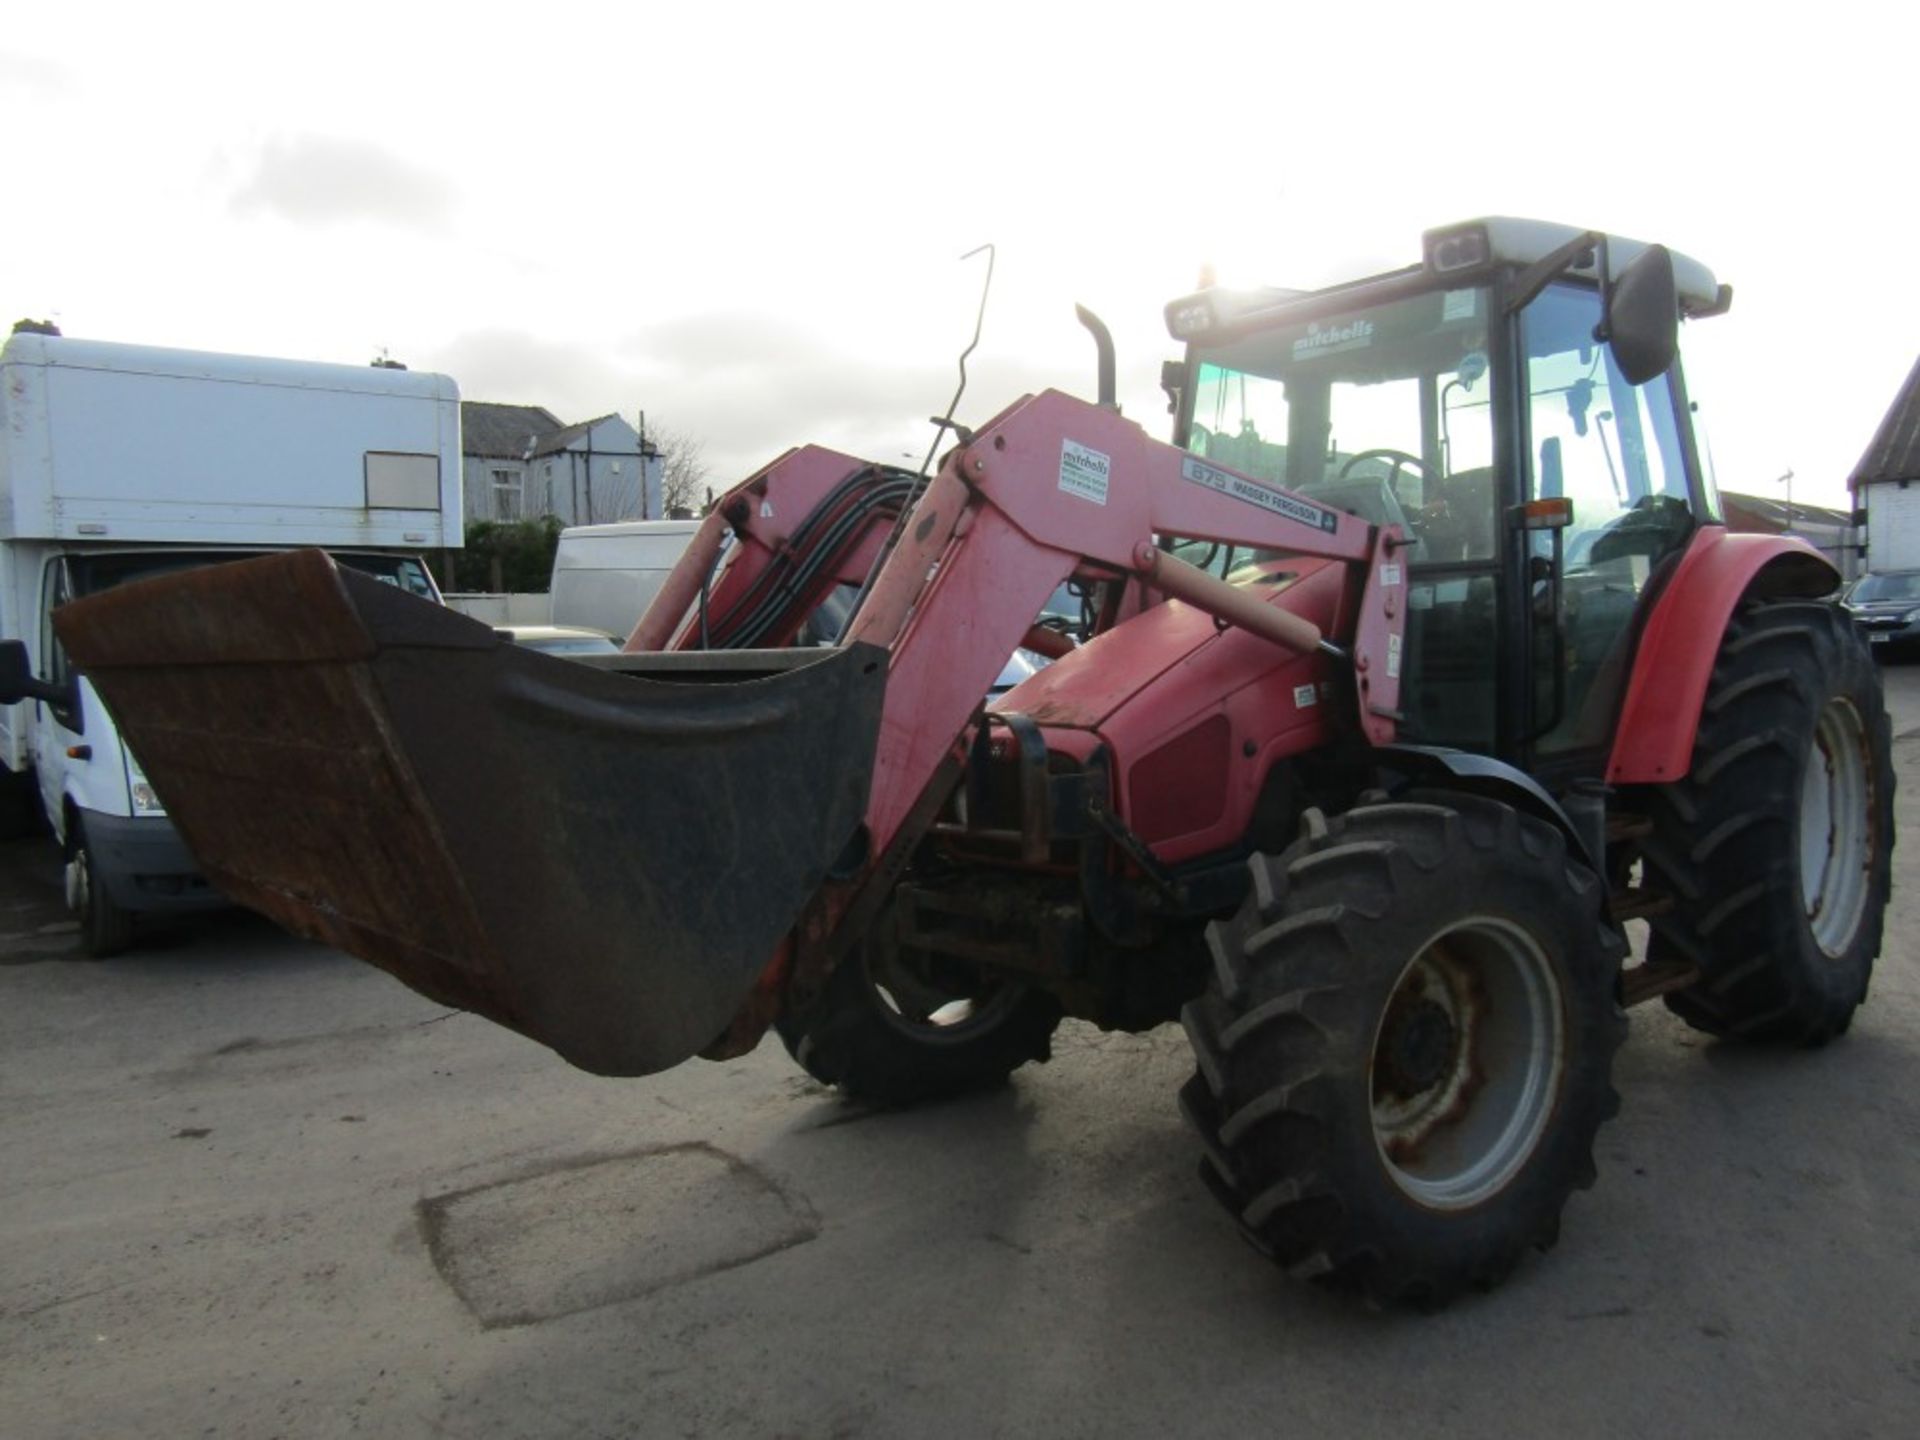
x=32, y=74
x=745, y=386
x=511, y=367
x=317, y=180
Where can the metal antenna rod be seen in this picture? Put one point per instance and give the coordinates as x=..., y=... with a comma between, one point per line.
x=945, y=422
x=941, y=426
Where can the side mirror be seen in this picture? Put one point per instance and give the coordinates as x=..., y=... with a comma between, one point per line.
x=1643, y=316
x=17, y=681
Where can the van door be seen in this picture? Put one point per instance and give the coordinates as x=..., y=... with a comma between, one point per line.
x=57, y=725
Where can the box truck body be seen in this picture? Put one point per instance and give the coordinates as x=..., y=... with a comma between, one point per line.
x=122, y=461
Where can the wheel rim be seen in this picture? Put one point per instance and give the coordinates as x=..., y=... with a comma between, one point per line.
x=1467, y=1063
x=1836, y=828
x=935, y=1013
x=80, y=895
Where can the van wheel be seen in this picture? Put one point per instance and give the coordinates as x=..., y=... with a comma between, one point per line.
x=105, y=928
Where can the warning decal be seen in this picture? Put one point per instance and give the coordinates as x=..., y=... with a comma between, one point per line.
x=1084, y=472
x=1254, y=493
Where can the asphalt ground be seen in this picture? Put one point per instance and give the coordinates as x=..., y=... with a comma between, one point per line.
x=249, y=1187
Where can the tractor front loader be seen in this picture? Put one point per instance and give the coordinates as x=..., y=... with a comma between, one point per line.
x=1411, y=671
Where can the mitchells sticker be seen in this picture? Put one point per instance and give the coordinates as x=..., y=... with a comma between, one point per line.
x=1332, y=339
x=1084, y=472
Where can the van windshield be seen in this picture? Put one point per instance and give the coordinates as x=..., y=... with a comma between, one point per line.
x=95, y=573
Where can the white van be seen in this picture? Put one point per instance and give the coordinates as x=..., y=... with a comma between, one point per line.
x=119, y=462
x=605, y=576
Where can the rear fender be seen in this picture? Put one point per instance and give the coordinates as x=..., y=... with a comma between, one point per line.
x=1653, y=743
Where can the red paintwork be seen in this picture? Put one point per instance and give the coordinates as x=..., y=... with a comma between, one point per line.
x=1155, y=678
x=1050, y=488
x=771, y=505
x=1377, y=658
x=1653, y=742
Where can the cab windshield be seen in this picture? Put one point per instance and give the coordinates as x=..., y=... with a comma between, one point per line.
x=1384, y=411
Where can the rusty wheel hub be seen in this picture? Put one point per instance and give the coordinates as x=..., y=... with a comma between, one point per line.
x=1467, y=1063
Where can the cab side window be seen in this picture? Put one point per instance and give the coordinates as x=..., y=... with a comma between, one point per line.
x=54, y=666
x=1613, y=451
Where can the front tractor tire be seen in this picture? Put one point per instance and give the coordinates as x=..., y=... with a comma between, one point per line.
x=891, y=1028
x=1778, y=845
x=1407, y=1046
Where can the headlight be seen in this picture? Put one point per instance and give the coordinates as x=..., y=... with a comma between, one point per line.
x=145, y=802
x=1457, y=250
x=1187, y=318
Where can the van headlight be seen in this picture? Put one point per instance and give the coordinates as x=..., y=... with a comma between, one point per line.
x=145, y=802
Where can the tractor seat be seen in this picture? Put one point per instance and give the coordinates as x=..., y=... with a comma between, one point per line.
x=1371, y=500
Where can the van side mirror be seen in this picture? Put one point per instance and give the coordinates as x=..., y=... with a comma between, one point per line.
x=1643, y=316
x=17, y=680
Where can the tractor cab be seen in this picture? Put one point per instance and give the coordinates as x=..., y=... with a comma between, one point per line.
x=1512, y=403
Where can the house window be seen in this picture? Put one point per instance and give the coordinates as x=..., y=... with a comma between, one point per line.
x=506, y=495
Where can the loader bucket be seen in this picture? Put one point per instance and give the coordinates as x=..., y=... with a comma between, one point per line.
x=601, y=858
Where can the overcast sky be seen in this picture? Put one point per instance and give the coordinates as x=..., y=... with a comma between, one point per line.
x=747, y=221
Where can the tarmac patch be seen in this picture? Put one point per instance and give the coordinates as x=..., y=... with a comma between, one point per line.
x=606, y=1229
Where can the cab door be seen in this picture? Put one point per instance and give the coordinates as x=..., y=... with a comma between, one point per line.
x=1617, y=454
x=57, y=725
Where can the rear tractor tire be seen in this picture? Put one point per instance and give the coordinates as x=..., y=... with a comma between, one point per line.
x=1778, y=844
x=892, y=1029
x=1407, y=1046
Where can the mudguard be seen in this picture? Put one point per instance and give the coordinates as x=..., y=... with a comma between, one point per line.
x=603, y=859
x=1653, y=743
x=1495, y=779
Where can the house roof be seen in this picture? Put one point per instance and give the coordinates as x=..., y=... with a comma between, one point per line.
x=504, y=432
x=564, y=439
x=1770, y=515
x=1895, y=451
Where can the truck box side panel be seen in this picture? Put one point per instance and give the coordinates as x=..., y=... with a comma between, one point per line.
x=126, y=443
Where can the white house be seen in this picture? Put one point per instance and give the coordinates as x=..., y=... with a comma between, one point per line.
x=522, y=462
x=1886, y=483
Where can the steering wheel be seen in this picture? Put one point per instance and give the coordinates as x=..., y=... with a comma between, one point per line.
x=1401, y=461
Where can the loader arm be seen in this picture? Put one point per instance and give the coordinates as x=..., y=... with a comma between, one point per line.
x=1052, y=488
x=626, y=860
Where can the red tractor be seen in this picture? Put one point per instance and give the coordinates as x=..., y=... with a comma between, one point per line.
x=1379, y=701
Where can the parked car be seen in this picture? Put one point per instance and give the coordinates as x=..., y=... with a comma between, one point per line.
x=1886, y=607
x=560, y=639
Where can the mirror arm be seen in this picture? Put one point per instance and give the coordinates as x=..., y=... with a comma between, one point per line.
x=1603, y=332
x=36, y=689
x=1548, y=268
